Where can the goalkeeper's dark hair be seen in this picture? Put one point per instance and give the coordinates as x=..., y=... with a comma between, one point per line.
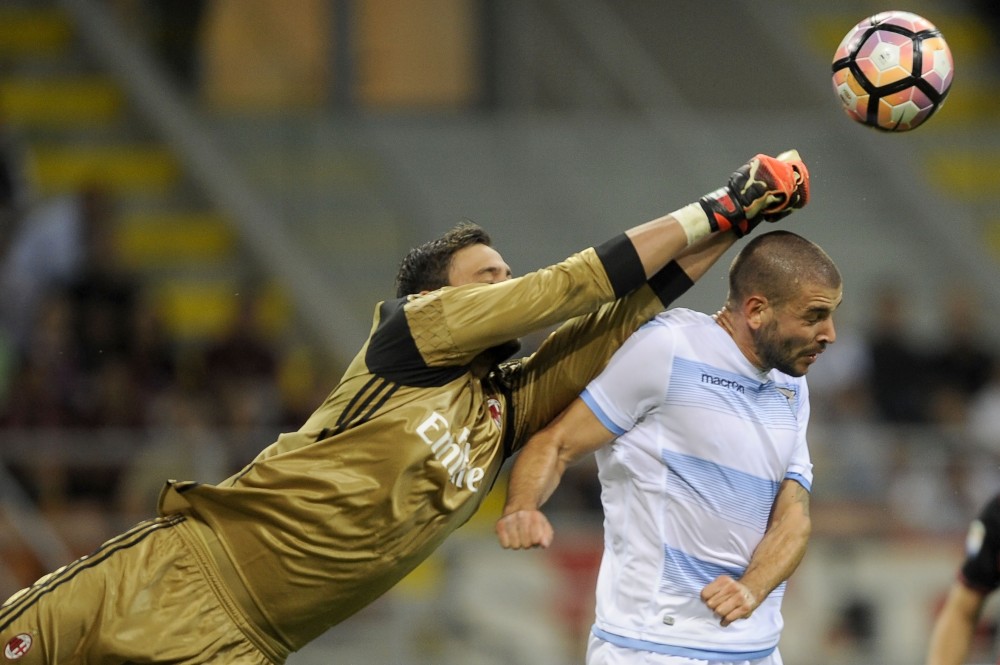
x=425, y=268
x=776, y=265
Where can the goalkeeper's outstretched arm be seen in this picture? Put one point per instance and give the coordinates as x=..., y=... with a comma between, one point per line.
x=764, y=189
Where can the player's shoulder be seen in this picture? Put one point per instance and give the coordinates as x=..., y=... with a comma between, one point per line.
x=671, y=327
x=681, y=317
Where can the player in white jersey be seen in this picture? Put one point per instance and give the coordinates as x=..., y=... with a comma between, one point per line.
x=698, y=424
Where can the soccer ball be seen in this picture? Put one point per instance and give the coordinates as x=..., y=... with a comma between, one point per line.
x=892, y=71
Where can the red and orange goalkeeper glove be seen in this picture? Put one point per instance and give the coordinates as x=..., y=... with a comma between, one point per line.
x=764, y=189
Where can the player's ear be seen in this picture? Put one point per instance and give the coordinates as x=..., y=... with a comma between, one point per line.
x=756, y=310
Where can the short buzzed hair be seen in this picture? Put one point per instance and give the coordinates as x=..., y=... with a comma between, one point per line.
x=425, y=268
x=776, y=265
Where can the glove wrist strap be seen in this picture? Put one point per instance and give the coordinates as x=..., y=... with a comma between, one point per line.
x=722, y=210
x=694, y=221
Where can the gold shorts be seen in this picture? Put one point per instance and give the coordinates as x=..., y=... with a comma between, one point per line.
x=144, y=596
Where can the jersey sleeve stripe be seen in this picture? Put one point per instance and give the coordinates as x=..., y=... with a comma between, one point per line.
x=609, y=424
x=800, y=479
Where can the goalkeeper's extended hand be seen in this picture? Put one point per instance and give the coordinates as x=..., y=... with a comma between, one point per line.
x=765, y=188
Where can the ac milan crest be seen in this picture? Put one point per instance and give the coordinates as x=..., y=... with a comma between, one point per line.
x=17, y=646
x=496, y=412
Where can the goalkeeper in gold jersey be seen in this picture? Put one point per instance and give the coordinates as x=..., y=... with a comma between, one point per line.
x=397, y=457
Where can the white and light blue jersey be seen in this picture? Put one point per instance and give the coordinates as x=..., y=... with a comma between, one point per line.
x=704, y=440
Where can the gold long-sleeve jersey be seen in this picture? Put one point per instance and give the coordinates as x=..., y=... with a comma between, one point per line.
x=405, y=448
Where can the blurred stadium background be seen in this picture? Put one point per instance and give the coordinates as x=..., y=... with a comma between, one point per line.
x=205, y=198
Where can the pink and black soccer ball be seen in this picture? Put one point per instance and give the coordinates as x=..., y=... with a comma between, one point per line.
x=892, y=71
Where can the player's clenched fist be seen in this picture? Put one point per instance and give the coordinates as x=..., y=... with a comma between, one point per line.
x=799, y=196
x=729, y=599
x=765, y=188
x=524, y=529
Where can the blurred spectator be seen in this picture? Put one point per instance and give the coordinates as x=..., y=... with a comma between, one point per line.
x=171, y=30
x=984, y=414
x=936, y=484
x=46, y=251
x=153, y=354
x=899, y=369
x=241, y=367
x=962, y=362
x=176, y=28
x=46, y=372
x=112, y=397
x=104, y=295
x=14, y=195
x=42, y=396
x=14, y=189
x=851, y=638
x=73, y=307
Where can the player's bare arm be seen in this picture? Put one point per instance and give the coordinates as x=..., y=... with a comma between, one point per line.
x=539, y=467
x=696, y=260
x=775, y=559
x=955, y=625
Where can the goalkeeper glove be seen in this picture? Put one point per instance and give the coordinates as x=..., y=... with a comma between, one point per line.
x=765, y=188
x=800, y=196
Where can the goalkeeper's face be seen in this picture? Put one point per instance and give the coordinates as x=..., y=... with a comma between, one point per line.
x=795, y=332
x=477, y=263
x=483, y=265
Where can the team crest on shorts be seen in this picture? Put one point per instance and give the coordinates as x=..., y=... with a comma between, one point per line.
x=496, y=412
x=17, y=646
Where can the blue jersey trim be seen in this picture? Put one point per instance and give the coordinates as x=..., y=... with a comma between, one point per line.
x=800, y=479
x=609, y=424
x=671, y=650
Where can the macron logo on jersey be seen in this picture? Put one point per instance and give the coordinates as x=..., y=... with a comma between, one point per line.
x=452, y=451
x=735, y=386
